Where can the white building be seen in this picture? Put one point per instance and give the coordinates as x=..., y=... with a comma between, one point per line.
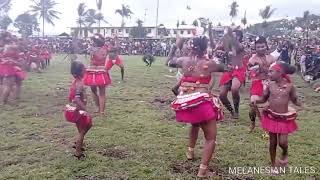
x=183, y=30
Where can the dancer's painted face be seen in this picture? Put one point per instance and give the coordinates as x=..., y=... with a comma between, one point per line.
x=274, y=75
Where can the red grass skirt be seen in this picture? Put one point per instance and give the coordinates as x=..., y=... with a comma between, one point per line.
x=96, y=78
x=279, y=126
x=201, y=113
x=256, y=88
x=81, y=117
x=240, y=74
x=7, y=70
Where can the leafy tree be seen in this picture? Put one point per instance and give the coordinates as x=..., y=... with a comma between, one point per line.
x=26, y=23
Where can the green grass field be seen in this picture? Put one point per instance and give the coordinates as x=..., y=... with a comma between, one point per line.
x=139, y=138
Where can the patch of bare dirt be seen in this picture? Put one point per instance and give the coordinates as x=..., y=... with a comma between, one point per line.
x=166, y=115
x=161, y=102
x=186, y=166
x=116, y=152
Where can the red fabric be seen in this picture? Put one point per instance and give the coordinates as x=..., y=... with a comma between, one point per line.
x=73, y=116
x=84, y=120
x=240, y=74
x=10, y=69
x=256, y=88
x=199, y=114
x=192, y=79
x=278, y=125
x=276, y=67
x=45, y=54
x=96, y=78
x=110, y=63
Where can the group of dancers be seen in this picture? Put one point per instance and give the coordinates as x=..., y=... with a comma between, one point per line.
x=17, y=57
x=194, y=103
x=270, y=93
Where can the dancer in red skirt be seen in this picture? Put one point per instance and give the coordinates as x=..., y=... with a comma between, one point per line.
x=114, y=58
x=233, y=79
x=11, y=72
x=195, y=104
x=76, y=112
x=97, y=76
x=258, y=68
x=44, y=57
x=279, y=118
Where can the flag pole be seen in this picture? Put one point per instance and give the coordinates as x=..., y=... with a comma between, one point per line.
x=157, y=18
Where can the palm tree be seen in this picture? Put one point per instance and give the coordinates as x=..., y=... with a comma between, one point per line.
x=90, y=17
x=124, y=12
x=46, y=11
x=81, y=15
x=233, y=10
x=99, y=16
x=244, y=19
x=266, y=13
x=139, y=22
x=5, y=5
x=305, y=18
x=89, y=20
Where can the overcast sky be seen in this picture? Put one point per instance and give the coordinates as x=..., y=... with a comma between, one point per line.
x=171, y=10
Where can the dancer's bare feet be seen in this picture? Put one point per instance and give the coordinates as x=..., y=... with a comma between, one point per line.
x=252, y=126
x=283, y=161
x=204, y=172
x=190, y=153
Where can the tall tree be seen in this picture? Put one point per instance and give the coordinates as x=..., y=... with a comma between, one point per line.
x=244, y=19
x=233, y=10
x=26, y=23
x=99, y=16
x=162, y=30
x=89, y=20
x=305, y=18
x=139, y=31
x=124, y=12
x=266, y=13
x=46, y=11
x=81, y=15
x=5, y=5
x=5, y=21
